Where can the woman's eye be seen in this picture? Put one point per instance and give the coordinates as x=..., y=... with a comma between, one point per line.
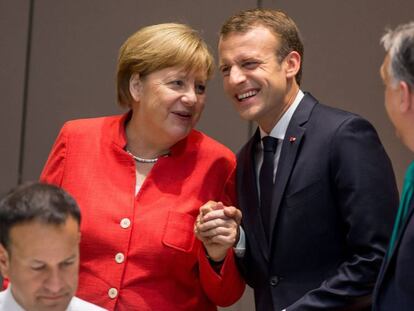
x=200, y=89
x=177, y=83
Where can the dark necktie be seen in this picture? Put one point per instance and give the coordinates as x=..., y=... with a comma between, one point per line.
x=406, y=197
x=266, y=181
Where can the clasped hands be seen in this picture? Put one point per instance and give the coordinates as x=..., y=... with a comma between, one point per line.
x=217, y=226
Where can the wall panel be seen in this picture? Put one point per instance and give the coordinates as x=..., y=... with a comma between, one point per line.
x=13, y=38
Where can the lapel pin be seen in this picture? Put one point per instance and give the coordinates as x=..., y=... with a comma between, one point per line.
x=292, y=139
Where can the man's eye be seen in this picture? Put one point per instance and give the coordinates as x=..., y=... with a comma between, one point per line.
x=250, y=64
x=68, y=263
x=225, y=70
x=200, y=89
x=37, y=268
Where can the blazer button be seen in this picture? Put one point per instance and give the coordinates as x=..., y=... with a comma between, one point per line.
x=112, y=293
x=274, y=280
x=119, y=258
x=125, y=223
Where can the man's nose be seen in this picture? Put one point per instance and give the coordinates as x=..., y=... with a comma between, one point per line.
x=236, y=75
x=54, y=282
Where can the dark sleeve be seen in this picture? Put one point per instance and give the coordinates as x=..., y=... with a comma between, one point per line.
x=367, y=198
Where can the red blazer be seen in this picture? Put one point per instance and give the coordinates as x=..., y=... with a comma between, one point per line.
x=139, y=252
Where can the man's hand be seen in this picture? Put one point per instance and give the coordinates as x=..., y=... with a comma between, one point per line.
x=217, y=226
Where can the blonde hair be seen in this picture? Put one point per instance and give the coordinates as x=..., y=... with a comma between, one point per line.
x=157, y=47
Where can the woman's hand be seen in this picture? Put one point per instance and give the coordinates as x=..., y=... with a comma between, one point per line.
x=217, y=226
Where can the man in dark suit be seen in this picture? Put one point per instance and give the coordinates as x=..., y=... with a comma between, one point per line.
x=317, y=195
x=395, y=285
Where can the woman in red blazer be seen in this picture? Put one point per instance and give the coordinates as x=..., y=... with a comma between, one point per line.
x=141, y=177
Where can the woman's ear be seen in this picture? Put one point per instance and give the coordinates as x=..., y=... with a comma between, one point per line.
x=293, y=61
x=135, y=86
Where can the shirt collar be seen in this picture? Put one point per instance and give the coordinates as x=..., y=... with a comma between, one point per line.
x=9, y=302
x=281, y=126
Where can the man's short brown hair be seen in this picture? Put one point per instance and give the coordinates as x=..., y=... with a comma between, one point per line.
x=278, y=22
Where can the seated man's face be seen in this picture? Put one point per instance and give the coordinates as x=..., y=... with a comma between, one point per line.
x=42, y=264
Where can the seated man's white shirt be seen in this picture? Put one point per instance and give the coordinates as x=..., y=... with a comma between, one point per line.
x=8, y=303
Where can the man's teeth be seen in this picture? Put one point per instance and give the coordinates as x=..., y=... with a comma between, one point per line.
x=246, y=95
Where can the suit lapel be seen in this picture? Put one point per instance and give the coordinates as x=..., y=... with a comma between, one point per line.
x=248, y=196
x=289, y=153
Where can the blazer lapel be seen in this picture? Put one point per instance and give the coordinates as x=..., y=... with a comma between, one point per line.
x=248, y=196
x=289, y=153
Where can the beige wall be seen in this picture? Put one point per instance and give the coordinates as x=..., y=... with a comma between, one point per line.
x=13, y=41
x=343, y=56
x=73, y=53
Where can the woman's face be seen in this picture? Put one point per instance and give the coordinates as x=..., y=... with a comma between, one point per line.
x=168, y=103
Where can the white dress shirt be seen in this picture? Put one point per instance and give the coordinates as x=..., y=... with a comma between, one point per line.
x=279, y=132
x=8, y=303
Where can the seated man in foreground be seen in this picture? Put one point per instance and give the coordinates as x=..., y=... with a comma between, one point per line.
x=39, y=250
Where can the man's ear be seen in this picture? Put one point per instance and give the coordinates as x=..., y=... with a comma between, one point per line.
x=293, y=61
x=135, y=86
x=406, y=97
x=4, y=261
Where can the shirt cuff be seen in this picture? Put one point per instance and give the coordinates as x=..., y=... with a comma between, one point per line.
x=240, y=248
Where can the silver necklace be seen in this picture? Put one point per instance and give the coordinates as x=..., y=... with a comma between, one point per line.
x=143, y=160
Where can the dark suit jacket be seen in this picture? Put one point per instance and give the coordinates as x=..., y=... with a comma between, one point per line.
x=334, y=202
x=395, y=285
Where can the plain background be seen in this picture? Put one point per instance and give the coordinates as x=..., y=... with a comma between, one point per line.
x=58, y=62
